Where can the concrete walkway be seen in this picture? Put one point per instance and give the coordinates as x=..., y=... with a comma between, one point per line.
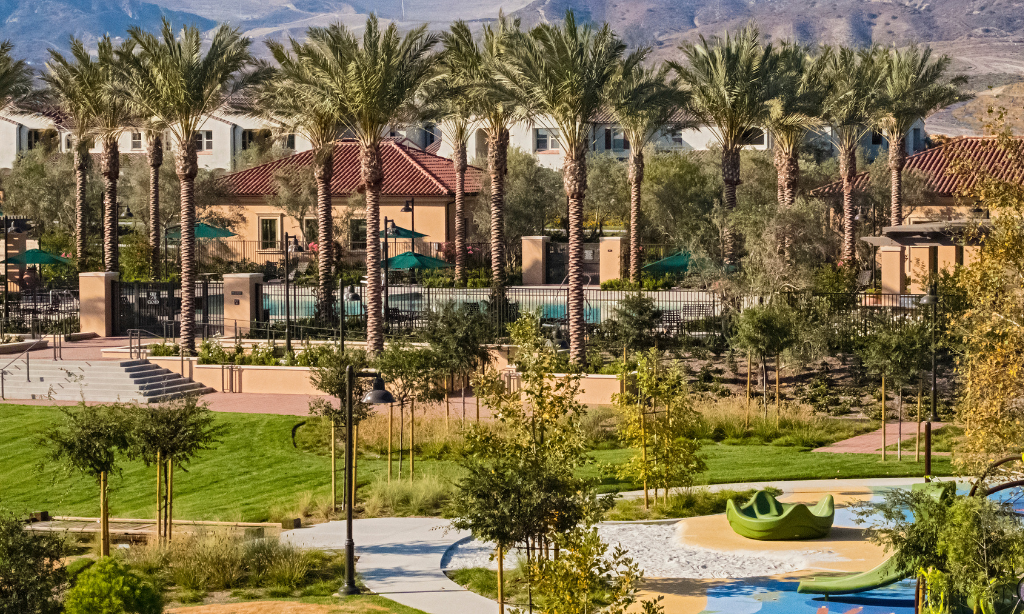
x=871, y=443
x=400, y=558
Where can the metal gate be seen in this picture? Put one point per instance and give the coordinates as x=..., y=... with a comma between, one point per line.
x=557, y=265
x=156, y=307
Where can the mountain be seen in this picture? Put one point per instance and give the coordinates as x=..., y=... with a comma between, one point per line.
x=985, y=37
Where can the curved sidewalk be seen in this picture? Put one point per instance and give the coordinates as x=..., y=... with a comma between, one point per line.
x=400, y=558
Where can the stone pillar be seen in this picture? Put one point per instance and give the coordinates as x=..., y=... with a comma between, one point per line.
x=16, y=272
x=894, y=276
x=920, y=271
x=97, y=303
x=535, y=254
x=240, y=307
x=611, y=258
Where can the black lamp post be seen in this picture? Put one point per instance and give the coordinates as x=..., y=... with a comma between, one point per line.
x=410, y=208
x=377, y=396
x=931, y=299
x=389, y=231
x=287, y=303
x=347, y=295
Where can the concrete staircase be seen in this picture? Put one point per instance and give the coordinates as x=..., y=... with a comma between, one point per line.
x=101, y=381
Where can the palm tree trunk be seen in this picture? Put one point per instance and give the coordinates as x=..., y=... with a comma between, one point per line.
x=156, y=159
x=897, y=161
x=574, y=175
x=459, y=158
x=847, y=171
x=81, y=167
x=187, y=167
x=636, y=179
x=497, y=162
x=370, y=167
x=111, y=169
x=731, y=179
x=323, y=172
x=787, y=166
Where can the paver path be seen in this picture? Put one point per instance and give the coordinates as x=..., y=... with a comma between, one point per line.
x=400, y=558
x=871, y=443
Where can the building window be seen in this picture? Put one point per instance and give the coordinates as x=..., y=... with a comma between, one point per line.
x=430, y=135
x=36, y=139
x=289, y=141
x=876, y=138
x=357, y=233
x=547, y=140
x=310, y=230
x=268, y=233
x=918, y=141
x=619, y=141
x=69, y=143
x=204, y=140
x=753, y=136
x=136, y=140
x=676, y=136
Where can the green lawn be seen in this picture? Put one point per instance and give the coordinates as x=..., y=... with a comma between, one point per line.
x=256, y=474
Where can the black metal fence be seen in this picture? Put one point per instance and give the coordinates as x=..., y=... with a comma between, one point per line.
x=41, y=312
x=156, y=307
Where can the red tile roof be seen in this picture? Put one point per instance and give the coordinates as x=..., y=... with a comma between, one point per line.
x=977, y=153
x=408, y=171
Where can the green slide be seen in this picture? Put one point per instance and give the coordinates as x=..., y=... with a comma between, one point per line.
x=764, y=518
x=883, y=575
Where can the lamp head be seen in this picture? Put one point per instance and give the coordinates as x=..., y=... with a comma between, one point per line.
x=352, y=295
x=408, y=207
x=378, y=396
x=929, y=299
x=128, y=213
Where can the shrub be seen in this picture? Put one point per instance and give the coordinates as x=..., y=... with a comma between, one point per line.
x=31, y=573
x=289, y=567
x=424, y=497
x=164, y=349
x=110, y=587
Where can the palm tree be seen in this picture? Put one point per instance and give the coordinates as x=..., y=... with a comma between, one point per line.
x=74, y=83
x=643, y=102
x=495, y=114
x=378, y=89
x=461, y=66
x=170, y=79
x=299, y=99
x=561, y=74
x=796, y=95
x=851, y=82
x=727, y=79
x=155, y=156
x=912, y=87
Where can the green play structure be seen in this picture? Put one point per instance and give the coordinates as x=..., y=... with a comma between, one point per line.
x=764, y=518
x=885, y=574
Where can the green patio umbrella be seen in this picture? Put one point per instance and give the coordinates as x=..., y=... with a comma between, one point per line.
x=203, y=231
x=36, y=256
x=403, y=233
x=676, y=263
x=409, y=260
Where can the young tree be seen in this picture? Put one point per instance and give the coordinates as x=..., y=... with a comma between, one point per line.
x=851, y=80
x=643, y=102
x=299, y=98
x=171, y=80
x=911, y=88
x=168, y=435
x=766, y=330
x=559, y=75
x=379, y=89
x=410, y=374
x=727, y=79
x=458, y=336
x=32, y=574
x=657, y=415
x=89, y=441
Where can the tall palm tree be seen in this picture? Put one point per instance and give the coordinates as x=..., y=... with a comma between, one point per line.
x=560, y=75
x=912, y=87
x=170, y=78
x=75, y=82
x=300, y=100
x=851, y=82
x=495, y=113
x=727, y=79
x=456, y=103
x=643, y=102
x=378, y=89
x=155, y=157
x=795, y=97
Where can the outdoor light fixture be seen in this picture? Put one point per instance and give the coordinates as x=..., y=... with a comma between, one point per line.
x=128, y=213
x=352, y=295
x=408, y=207
x=377, y=396
x=931, y=300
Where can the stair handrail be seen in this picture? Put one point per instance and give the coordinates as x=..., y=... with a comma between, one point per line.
x=3, y=370
x=132, y=332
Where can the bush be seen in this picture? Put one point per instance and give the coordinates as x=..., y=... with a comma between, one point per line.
x=164, y=349
x=31, y=572
x=110, y=587
x=424, y=497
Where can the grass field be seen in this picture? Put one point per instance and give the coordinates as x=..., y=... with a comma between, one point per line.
x=256, y=474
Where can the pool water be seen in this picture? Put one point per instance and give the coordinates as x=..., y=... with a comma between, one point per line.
x=769, y=596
